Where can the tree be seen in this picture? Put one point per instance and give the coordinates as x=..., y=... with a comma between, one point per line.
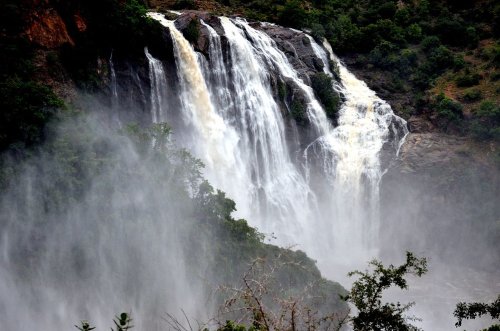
x=477, y=309
x=366, y=295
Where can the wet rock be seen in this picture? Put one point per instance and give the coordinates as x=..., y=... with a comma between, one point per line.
x=297, y=47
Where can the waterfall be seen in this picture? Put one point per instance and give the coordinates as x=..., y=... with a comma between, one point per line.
x=219, y=87
x=158, y=85
x=114, y=91
x=215, y=141
x=277, y=60
x=240, y=133
x=114, y=88
x=353, y=169
x=273, y=188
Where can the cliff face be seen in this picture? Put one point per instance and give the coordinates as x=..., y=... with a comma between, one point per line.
x=450, y=180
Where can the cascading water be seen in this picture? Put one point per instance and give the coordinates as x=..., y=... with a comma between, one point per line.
x=271, y=188
x=114, y=88
x=158, y=85
x=215, y=141
x=351, y=162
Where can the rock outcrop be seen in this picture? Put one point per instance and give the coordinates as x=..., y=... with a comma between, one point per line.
x=47, y=29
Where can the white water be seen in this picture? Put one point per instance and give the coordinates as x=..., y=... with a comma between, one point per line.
x=353, y=168
x=114, y=88
x=158, y=85
x=214, y=141
x=237, y=112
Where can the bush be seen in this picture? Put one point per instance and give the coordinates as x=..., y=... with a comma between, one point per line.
x=414, y=33
x=486, y=124
x=447, y=109
x=471, y=36
x=472, y=95
x=318, y=31
x=26, y=107
x=383, y=55
x=407, y=61
x=468, y=79
x=430, y=42
x=298, y=111
x=184, y=4
x=345, y=35
x=441, y=58
x=192, y=31
x=452, y=31
x=322, y=85
x=293, y=14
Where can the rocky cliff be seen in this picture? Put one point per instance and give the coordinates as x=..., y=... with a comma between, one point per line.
x=451, y=179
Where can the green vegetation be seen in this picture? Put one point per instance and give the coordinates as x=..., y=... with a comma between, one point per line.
x=26, y=104
x=322, y=86
x=366, y=294
x=486, y=121
x=448, y=110
x=298, y=111
x=192, y=31
x=465, y=311
x=250, y=303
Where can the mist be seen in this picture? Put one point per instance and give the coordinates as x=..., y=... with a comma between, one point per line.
x=439, y=200
x=94, y=224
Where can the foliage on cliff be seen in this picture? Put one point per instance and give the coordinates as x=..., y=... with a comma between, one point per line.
x=26, y=104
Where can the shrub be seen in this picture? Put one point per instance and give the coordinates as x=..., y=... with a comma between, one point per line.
x=184, y=4
x=486, y=124
x=459, y=62
x=25, y=108
x=318, y=31
x=472, y=36
x=192, y=31
x=468, y=79
x=430, y=42
x=407, y=60
x=384, y=54
x=346, y=35
x=322, y=85
x=402, y=16
x=441, y=58
x=298, y=111
x=472, y=95
x=414, y=33
x=452, y=31
x=293, y=14
x=447, y=108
